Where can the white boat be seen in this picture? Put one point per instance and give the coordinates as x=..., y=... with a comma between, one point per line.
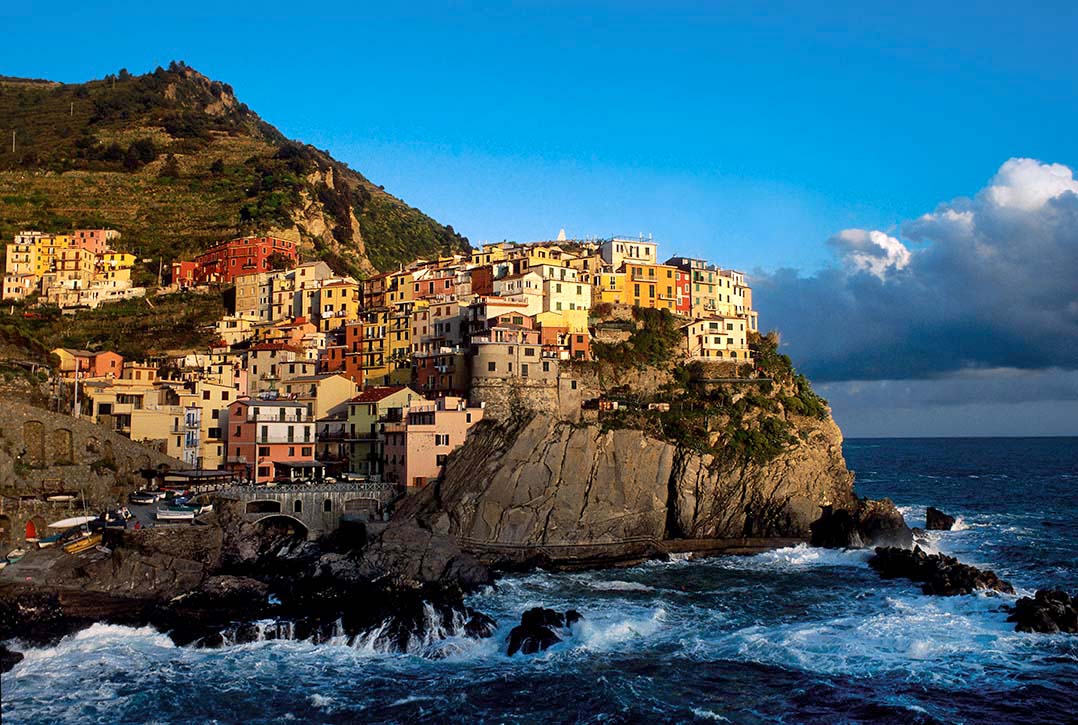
x=175, y=514
x=71, y=522
x=60, y=498
x=15, y=554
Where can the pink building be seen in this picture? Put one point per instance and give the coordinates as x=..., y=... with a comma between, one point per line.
x=416, y=449
x=273, y=439
x=95, y=241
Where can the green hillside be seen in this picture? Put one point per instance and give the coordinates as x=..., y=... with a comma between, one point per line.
x=177, y=163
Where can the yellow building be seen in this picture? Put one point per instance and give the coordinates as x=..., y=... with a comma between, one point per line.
x=323, y=395
x=22, y=259
x=339, y=303
x=489, y=254
x=650, y=285
x=49, y=247
x=608, y=287
x=720, y=339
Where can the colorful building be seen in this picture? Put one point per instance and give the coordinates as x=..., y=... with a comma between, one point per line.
x=269, y=439
x=417, y=447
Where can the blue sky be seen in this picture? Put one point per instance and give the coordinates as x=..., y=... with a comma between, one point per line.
x=749, y=133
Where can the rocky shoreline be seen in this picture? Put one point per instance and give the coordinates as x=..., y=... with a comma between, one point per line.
x=401, y=589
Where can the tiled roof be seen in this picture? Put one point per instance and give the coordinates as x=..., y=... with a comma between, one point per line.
x=373, y=395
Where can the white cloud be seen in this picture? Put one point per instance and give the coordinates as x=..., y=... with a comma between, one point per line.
x=1027, y=184
x=870, y=251
x=993, y=283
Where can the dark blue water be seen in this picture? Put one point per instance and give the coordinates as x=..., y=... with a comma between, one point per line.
x=796, y=635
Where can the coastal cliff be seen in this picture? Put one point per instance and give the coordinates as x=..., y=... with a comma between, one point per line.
x=691, y=461
x=550, y=485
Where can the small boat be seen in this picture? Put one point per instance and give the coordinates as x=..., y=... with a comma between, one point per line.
x=15, y=554
x=71, y=522
x=141, y=498
x=3, y=563
x=47, y=541
x=31, y=532
x=60, y=498
x=83, y=544
x=176, y=513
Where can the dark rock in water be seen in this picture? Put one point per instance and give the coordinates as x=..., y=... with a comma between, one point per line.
x=8, y=659
x=871, y=523
x=479, y=625
x=536, y=630
x=1049, y=611
x=939, y=575
x=936, y=520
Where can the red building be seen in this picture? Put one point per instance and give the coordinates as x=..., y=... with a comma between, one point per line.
x=226, y=261
x=683, y=294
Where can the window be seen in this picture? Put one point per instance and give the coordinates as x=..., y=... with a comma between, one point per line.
x=263, y=450
x=572, y=384
x=492, y=367
x=291, y=451
x=205, y=395
x=215, y=414
x=297, y=506
x=265, y=433
x=524, y=370
x=441, y=459
x=529, y=352
x=441, y=439
x=546, y=366
x=327, y=505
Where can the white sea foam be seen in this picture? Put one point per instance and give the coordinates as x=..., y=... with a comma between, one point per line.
x=801, y=556
x=320, y=701
x=709, y=715
x=620, y=586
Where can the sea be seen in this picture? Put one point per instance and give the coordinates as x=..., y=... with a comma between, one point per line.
x=794, y=635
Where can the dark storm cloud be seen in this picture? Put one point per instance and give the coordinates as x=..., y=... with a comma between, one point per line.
x=981, y=283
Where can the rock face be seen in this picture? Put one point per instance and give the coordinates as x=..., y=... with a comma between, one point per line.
x=1049, y=611
x=536, y=631
x=548, y=486
x=936, y=520
x=939, y=575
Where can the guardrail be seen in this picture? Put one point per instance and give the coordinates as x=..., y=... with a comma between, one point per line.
x=380, y=488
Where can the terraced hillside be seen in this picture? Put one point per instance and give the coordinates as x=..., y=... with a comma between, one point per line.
x=176, y=162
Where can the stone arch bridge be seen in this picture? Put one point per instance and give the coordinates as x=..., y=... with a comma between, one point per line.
x=318, y=508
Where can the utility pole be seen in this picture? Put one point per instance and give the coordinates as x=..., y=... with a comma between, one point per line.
x=75, y=410
x=12, y=140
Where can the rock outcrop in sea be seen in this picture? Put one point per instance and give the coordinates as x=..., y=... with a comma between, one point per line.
x=936, y=520
x=1049, y=611
x=938, y=574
